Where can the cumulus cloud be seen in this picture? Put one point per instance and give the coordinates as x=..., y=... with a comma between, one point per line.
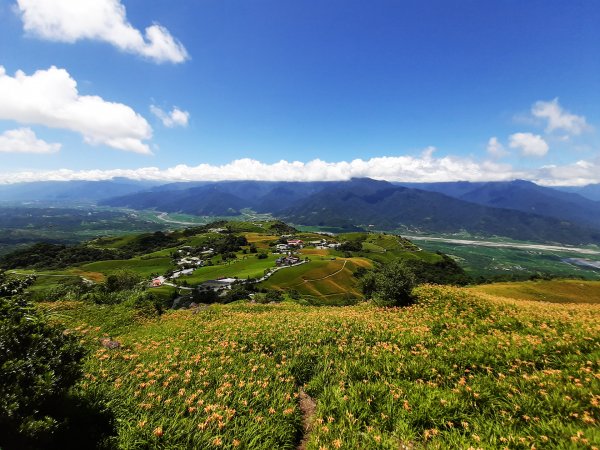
x=101, y=20
x=559, y=119
x=529, y=144
x=495, y=149
x=50, y=98
x=175, y=118
x=579, y=173
x=422, y=168
x=24, y=140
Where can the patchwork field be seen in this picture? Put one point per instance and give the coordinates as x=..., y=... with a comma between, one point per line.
x=503, y=261
x=458, y=370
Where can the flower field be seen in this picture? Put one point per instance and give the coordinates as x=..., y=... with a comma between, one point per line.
x=453, y=371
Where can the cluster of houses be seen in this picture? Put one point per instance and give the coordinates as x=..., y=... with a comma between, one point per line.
x=323, y=244
x=288, y=260
x=291, y=244
x=188, y=263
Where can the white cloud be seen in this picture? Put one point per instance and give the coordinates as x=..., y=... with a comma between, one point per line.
x=579, y=173
x=171, y=119
x=24, y=140
x=102, y=20
x=529, y=144
x=495, y=149
x=559, y=119
x=50, y=98
x=393, y=168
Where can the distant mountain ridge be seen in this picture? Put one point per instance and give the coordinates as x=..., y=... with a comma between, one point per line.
x=71, y=191
x=517, y=209
x=503, y=209
x=522, y=196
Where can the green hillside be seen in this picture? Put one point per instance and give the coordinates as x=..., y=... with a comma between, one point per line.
x=457, y=370
x=328, y=273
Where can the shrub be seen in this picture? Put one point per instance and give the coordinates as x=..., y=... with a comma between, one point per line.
x=273, y=296
x=38, y=365
x=122, y=280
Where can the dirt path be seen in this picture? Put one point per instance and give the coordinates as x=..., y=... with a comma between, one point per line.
x=308, y=406
x=323, y=278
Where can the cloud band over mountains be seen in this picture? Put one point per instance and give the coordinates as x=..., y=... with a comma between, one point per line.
x=422, y=168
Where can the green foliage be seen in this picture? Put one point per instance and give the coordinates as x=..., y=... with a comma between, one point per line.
x=148, y=243
x=443, y=271
x=352, y=242
x=54, y=256
x=39, y=363
x=208, y=296
x=70, y=289
x=393, y=284
x=122, y=280
x=273, y=296
x=279, y=227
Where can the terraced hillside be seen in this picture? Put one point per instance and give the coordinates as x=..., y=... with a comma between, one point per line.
x=328, y=271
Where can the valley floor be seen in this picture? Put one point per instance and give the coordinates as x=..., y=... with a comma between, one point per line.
x=460, y=369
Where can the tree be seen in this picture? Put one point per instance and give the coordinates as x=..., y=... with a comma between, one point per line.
x=39, y=363
x=122, y=280
x=273, y=296
x=394, y=284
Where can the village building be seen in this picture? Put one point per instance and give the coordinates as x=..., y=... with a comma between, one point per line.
x=158, y=281
x=182, y=272
x=190, y=261
x=217, y=285
x=287, y=261
x=295, y=243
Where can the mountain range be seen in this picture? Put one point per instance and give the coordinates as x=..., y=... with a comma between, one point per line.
x=66, y=192
x=522, y=196
x=517, y=209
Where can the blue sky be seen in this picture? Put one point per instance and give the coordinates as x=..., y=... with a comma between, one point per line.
x=416, y=91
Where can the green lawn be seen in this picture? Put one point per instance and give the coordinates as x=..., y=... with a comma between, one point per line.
x=251, y=267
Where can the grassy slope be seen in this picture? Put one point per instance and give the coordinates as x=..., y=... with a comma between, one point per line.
x=143, y=266
x=242, y=268
x=455, y=371
x=559, y=291
x=321, y=278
